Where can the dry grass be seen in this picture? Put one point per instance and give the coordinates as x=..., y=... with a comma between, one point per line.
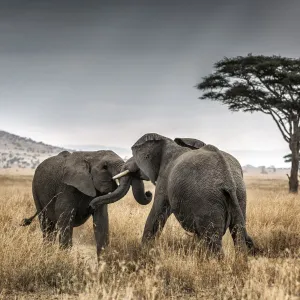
x=175, y=268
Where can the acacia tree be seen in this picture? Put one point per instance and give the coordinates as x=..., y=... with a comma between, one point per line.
x=267, y=84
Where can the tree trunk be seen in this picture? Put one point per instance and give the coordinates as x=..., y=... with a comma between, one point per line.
x=294, y=146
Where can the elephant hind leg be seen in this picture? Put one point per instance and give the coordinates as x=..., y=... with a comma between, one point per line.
x=211, y=232
x=212, y=240
x=65, y=228
x=241, y=238
x=47, y=227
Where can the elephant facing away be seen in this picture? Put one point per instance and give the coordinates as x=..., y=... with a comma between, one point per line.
x=198, y=186
x=64, y=185
x=235, y=166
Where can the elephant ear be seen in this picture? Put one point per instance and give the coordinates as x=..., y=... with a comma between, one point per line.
x=77, y=173
x=189, y=143
x=147, y=152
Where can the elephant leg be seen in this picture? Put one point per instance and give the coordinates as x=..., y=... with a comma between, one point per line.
x=240, y=237
x=101, y=228
x=242, y=198
x=210, y=228
x=212, y=239
x=65, y=215
x=157, y=217
x=47, y=227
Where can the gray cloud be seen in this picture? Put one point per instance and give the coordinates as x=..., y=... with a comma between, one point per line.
x=104, y=72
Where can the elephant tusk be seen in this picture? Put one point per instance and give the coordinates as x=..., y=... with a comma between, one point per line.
x=117, y=181
x=121, y=174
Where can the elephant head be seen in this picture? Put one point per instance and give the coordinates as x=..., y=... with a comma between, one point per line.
x=145, y=164
x=149, y=150
x=92, y=174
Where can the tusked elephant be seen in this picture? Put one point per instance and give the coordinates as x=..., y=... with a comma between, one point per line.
x=200, y=187
x=64, y=185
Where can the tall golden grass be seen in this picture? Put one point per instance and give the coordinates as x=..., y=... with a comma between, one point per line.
x=174, y=267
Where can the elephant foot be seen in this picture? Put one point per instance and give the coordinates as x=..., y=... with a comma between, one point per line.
x=252, y=248
x=148, y=238
x=215, y=249
x=65, y=246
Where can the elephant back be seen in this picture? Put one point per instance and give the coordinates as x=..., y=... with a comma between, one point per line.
x=208, y=165
x=197, y=167
x=196, y=178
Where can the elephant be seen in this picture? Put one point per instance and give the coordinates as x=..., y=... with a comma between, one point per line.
x=237, y=170
x=64, y=185
x=200, y=187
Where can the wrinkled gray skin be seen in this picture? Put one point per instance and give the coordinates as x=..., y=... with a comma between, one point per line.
x=64, y=185
x=203, y=188
x=236, y=169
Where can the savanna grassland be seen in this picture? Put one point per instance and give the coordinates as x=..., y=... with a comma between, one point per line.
x=175, y=268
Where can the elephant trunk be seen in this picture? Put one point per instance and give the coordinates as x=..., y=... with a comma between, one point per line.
x=115, y=196
x=138, y=190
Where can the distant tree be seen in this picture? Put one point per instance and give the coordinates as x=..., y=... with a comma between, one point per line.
x=268, y=84
x=263, y=170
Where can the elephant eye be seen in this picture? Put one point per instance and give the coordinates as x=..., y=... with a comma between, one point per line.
x=105, y=167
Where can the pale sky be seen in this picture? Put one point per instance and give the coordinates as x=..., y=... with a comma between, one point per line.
x=106, y=72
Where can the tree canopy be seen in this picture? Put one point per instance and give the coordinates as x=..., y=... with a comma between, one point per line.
x=269, y=84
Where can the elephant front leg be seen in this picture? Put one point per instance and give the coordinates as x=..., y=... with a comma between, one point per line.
x=101, y=228
x=157, y=218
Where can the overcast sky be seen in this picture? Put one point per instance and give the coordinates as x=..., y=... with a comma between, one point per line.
x=105, y=73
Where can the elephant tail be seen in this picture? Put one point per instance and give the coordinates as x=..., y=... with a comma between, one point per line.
x=228, y=184
x=28, y=221
x=237, y=215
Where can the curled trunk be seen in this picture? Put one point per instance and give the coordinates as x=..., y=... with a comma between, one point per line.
x=115, y=196
x=138, y=190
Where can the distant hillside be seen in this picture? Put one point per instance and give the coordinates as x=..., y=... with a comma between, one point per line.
x=20, y=153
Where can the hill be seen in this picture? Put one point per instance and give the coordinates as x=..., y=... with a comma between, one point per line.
x=23, y=153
